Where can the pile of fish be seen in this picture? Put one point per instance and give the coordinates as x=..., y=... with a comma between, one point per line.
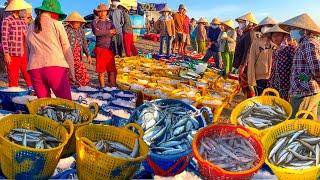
x=124, y=103
x=229, y=152
x=61, y=113
x=33, y=138
x=261, y=116
x=117, y=149
x=169, y=129
x=13, y=89
x=23, y=99
x=87, y=89
x=295, y=150
x=189, y=74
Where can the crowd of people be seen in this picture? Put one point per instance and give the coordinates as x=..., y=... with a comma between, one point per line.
x=284, y=56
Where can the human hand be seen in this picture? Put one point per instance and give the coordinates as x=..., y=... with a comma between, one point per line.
x=89, y=60
x=7, y=58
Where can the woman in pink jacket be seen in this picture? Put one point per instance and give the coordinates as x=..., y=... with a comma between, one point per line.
x=50, y=54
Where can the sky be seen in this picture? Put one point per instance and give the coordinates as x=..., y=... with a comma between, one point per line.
x=280, y=10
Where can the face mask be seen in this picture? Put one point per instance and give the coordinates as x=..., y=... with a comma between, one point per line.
x=115, y=3
x=214, y=26
x=242, y=25
x=296, y=34
x=264, y=29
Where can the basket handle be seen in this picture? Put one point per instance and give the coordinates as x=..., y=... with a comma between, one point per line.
x=209, y=112
x=135, y=126
x=88, y=142
x=94, y=108
x=270, y=90
x=306, y=114
x=69, y=126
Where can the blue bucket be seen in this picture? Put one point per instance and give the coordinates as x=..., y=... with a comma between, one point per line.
x=6, y=97
x=170, y=165
x=116, y=120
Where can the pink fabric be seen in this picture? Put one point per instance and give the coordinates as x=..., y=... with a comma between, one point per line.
x=54, y=78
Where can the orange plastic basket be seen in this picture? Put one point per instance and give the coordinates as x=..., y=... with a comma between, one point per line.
x=211, y=171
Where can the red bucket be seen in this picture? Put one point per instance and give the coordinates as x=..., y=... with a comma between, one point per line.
x=211, y=171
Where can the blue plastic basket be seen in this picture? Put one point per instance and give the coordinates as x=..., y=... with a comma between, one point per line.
x=170, y=165
x=20, y=107
x=6, y=98
x=116, y=120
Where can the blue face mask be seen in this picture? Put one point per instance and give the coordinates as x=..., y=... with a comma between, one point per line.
x=296, y=34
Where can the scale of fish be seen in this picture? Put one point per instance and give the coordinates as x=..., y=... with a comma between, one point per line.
x=61, y=113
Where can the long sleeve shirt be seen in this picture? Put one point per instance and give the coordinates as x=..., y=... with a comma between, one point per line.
x=3, y=14
x=50, y=47
x=242, y=48
x=13, y=36
x=101, y=30
x=127, y=26
x=202, y=33
x=117, y=18
x=305, y=72
x=213, y=37
x=77, y=35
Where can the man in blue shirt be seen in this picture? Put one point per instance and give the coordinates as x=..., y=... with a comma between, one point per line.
x=213, y=36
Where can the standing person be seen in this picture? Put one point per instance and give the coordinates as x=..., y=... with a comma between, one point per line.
x=259, y=63
x=266, y=24
x=246, y=26
x=193, y=39
x=165, y=25
x=201, y=35
x=305, y=71
x=117, y=18
x=186, y=33
x=50, y=56
x=281, y=61
x=152, y=24
x=78, y=42
x=3, y=14
x=179, y=25
x=129, y=46
x=227, y=40
x=13, y=43
x=213, y=37
x=147, y=24
x=104, y=30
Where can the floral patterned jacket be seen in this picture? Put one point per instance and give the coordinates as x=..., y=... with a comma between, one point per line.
x=77, y=35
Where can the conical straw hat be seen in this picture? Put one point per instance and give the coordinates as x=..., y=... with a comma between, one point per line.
x=248, y=17
x=16, y=5
x=202, y=20
x=215, y=21
x=302, y=21
x=229, y=23
x=166, y=9
x=276, y=28
x=75, y=17
x=267, y=21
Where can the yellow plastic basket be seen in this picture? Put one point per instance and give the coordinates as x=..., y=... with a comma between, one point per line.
x=216, y=109
x=263, y=99
x=19, y=162
x=85, y=113
x=93, y=164
x=313, y=128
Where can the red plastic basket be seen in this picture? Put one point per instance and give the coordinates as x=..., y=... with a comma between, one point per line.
x=209, y=170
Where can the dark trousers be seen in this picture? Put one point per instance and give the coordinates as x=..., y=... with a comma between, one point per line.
x=216, y=56
x=262, y=84
x=117, y=42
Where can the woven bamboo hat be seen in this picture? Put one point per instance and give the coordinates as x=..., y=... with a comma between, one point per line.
x=75, y=17
x=215, y=21
x=202, y=20
x=302, y=21
x=102, y=7
x=266, y=21
x=228, y=23
x=166, y=9
x=248, y=17
x=274, y=29
x=16, y=5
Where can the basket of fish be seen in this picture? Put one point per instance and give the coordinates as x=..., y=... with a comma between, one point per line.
x=293, y=148
x=108, y=152
x=4, y=113
x=31, y=145
x=6, y=95
x=260, y=114
x=169, y=127
x=227, y=152
x=60, y=110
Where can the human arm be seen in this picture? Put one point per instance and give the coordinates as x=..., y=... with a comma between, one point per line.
x=251, y=72
x=85, y=47
x=5, y=40
x=313, y=60
x=66, y=48
x=98, y=32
